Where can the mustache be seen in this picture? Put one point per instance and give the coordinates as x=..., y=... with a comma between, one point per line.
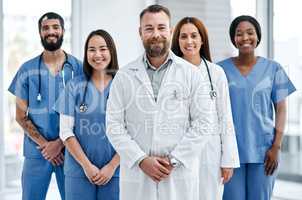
x=156, y=40
x=51, y=35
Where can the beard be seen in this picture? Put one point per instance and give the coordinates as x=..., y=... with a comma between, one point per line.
x=52, y=46
x=156, y=47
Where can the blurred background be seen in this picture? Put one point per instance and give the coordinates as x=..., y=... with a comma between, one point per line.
x=20, y=41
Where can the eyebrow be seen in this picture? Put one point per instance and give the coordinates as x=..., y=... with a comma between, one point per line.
x=195, y=32
x=97, y=47
x=249, y=29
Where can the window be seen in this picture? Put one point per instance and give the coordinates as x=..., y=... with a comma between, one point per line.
x=288, y=51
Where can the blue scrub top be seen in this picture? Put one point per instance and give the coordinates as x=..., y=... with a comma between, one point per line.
x=25, y=86
x=252, y=100
x=89, y=126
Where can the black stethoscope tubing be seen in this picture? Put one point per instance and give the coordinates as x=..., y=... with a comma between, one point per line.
x=66, y=62
x=213, y=93
x=83, y=107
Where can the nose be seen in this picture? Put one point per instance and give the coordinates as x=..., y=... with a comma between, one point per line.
x=245, y=36
x=156, y=33
x=189, y=40
x=50, y=31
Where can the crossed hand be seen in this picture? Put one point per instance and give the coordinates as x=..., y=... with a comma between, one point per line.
x=157, y=168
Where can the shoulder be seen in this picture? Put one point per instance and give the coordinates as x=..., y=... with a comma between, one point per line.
x=225, y=63
x=30, y=64
x=274, y=65
x=74, y=61
x=77, y=83
x=215, y=70
x=78, y=79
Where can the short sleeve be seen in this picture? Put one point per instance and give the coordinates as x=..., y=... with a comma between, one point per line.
x=282, y=85
x=65, y=103
x=20, y=86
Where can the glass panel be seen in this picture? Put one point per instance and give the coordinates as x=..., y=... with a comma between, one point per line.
x=243, y=7
x=288, y=51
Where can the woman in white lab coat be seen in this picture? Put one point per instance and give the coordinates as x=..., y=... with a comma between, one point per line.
x=220, y=157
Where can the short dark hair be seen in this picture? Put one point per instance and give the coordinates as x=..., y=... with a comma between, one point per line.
x=204, y=50
x=155, y=8
x=113, y=65
x=50, y=15
x=243, y=18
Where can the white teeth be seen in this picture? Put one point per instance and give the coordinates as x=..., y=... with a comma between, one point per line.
x=189, y=48
x=246, y=45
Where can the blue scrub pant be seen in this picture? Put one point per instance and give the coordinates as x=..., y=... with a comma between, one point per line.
x=249, y=182
x=36, y=176
x=79, y=188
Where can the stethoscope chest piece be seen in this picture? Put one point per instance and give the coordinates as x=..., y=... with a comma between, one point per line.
x=213, y=94
x=83, y=107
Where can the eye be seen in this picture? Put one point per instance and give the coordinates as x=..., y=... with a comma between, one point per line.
x=45, y=28
x=162, y=28
x=238, y=34
x=194, y=36
x=183, y=36
x=102, y=49
x=56, y=27
x=91, y=49
x=251, y=32
x=148, y=29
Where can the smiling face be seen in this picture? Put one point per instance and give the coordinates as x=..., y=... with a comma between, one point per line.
x=190, y=40
x=98, y=54
x=51, y=34
x=155, y=33
x=245, y=37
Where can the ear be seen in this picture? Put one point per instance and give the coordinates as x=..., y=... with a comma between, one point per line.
x=140, y=31
x=171, y=30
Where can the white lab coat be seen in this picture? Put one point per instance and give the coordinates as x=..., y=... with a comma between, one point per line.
x=139, y=126
x=222, y=150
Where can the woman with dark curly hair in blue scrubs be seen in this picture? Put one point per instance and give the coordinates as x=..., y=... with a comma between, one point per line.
x=258, y=89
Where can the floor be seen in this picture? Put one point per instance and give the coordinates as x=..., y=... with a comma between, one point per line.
x=284, y=190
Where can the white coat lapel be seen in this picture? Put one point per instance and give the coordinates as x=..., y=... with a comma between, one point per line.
x=141, y=74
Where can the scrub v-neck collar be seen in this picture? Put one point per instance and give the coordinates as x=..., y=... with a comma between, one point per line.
x=251, y=72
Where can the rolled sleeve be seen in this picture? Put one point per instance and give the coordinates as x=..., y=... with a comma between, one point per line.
x=66, y=127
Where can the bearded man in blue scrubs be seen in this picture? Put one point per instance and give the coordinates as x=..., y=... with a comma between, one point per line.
x=36, y=86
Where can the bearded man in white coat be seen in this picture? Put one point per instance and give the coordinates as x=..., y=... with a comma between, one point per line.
x=153, y=118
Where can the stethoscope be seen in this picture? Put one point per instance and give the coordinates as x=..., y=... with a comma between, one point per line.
x=83, y=107
x=213, y=93
x=66, y=63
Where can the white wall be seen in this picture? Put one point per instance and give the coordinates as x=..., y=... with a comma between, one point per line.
x=119, y=17
x=1, y=104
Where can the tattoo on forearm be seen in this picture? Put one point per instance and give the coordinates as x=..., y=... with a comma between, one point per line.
x=30, y=128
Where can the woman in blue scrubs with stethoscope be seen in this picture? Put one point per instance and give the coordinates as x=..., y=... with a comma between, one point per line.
x=91, y=164
x=258, y=89
x=220, y=156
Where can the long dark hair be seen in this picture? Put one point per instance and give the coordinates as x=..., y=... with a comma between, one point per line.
x=204, y=50
x=113, y=65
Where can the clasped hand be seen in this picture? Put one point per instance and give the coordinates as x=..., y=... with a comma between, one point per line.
x=52, y=151
x=99, y=176
x=157, y=168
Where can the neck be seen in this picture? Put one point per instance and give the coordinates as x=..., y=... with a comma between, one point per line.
x=194, y=59
x=100, y=76
x=52, y=56
x=246, y=59
x=157, y=61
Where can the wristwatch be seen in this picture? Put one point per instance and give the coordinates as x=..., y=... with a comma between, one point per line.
x=174, y=162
